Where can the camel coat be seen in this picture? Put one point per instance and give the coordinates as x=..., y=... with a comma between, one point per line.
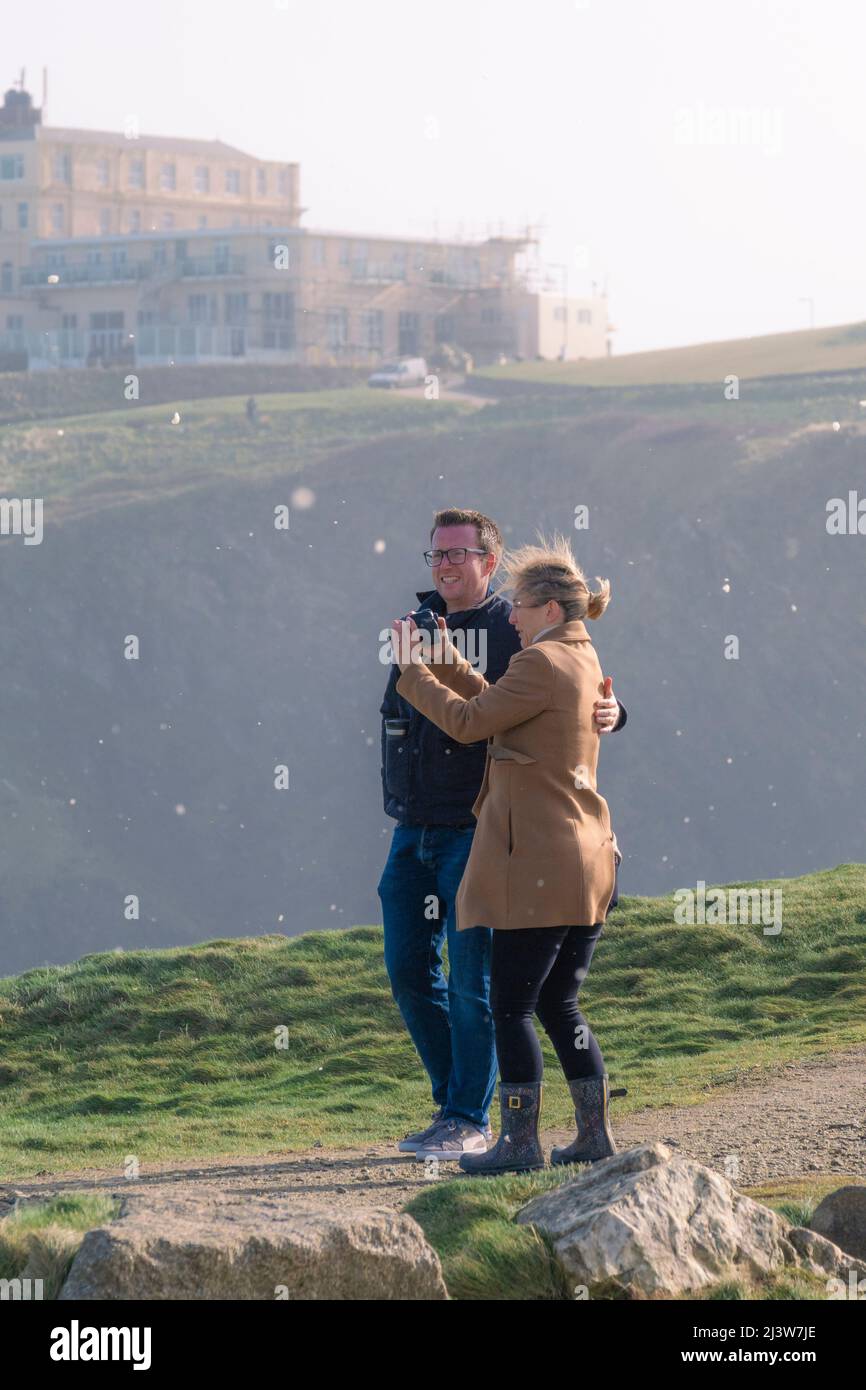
x=543, y=852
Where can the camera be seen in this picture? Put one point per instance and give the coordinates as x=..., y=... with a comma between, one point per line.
x=425, y=621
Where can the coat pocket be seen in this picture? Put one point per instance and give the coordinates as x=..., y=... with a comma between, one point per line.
x=397, y=758
x=616, y=860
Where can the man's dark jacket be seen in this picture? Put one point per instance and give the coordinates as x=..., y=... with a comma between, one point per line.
x=427, y=777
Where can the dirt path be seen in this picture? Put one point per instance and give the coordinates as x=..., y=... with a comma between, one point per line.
x=454, y=388
x=804, y=1118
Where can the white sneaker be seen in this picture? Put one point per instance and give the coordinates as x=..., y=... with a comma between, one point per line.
x=452, y=1138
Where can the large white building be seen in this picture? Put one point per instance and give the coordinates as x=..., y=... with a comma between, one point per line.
x=136, y=248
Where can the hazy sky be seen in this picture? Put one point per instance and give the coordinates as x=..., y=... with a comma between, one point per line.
x=706, y=160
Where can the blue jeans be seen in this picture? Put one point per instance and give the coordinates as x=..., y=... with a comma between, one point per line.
x=450, y=1022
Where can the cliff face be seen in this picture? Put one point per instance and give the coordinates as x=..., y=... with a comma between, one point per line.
x=259, y=647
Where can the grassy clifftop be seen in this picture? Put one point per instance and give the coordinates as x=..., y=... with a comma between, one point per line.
x=259, y=1044
x=841, y=348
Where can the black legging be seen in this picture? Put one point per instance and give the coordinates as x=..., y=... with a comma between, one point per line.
x=539, y=970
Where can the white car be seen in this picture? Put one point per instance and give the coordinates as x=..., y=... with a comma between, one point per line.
x=410, y=371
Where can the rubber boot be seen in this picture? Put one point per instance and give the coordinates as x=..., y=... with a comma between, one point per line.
x=591, y=1095
x=517, y=1150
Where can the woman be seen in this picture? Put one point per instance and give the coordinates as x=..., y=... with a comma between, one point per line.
x=543, y=852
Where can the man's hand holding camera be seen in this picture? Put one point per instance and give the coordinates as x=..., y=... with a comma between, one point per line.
x=421, y=643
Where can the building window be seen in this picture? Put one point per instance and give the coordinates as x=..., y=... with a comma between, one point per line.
x=6, y=277
x=281, y=338
x=372, y=328
x=409, y=334
x=12, y=166
x=201, y=308
x=201, y=179
x=398, y=265
x=262, y=182
x=69, y=321
x=167, y=221
x=62, y=168
x=584, y=316
x=278, y=311
x=55, y=258
x=23, y=214
x=135, y=220
x=236, y=307
x=105, y=221
x=337, y=328
x=94, y=258
x=136, y=172
x=102, y=173
x=106, y=332
x=233, y=180
x=202, y=223
x=222, y=256
x=560, y=312
x=278, y=305
x=283, y=183
x=445, y=328
x=118, y=257
x=160, y=254
x=15, y=322
x=345, y=253
x=145, y=318
x=58, y=217
x=318, y=251
x=168, y=177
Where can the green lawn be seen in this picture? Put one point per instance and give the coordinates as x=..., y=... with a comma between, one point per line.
x=97, y=461
x=90, y=461
x=173, y=1053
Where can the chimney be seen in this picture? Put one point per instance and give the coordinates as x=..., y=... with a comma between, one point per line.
x=18, y=116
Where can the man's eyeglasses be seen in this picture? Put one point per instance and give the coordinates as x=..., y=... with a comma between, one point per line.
x=456, y=556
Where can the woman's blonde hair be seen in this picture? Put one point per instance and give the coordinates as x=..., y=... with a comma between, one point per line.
x=549, y=571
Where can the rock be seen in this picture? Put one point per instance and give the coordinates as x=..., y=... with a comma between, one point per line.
x=195, y=1246
x=821, y=1256
x=841, y=1217
x=652, y=1223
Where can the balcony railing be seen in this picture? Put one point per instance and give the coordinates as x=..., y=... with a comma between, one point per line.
x=130, y=272
x=123, y=272
x=373, y=272
x=208, y=266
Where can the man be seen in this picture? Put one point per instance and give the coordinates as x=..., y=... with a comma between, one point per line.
x=430, y=783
